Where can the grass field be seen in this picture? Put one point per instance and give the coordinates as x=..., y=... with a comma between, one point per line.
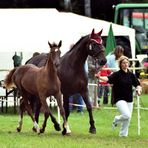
x=80, y=137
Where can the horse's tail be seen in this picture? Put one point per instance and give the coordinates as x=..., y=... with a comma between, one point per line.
x=8, y=82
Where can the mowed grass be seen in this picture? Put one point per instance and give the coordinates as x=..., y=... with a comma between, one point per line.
x=80, y=137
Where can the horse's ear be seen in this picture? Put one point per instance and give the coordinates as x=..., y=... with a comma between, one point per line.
x=60, y=44
x=49, y=44
x=92, y=33
x=99, y=33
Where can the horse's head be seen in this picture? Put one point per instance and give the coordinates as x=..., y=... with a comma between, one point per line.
x=55, y=52
x=96, y=48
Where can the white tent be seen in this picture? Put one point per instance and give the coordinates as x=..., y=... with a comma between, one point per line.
x=30, y=29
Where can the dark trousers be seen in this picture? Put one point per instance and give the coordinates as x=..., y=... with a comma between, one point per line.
x=112, y=96
x=103, y=91
x=76, y=99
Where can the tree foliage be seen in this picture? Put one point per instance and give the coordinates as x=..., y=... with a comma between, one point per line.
x=32, y=4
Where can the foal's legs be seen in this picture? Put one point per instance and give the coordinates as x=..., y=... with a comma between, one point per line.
x=29, y=110
x=66, y=129
x=37, y=111
x=46, y=112
x=21, y=110
x=56, y=124
x=36, y=104
x=92, y=128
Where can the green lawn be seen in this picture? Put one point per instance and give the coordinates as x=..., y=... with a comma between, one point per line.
x=80, y=137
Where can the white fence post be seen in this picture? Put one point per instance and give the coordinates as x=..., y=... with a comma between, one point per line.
x=138, y=114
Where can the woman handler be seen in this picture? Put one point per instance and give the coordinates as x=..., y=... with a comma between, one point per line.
x=122, y=81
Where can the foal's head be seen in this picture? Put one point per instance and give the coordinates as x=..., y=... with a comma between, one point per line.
x=55, y=52
x=96, y=48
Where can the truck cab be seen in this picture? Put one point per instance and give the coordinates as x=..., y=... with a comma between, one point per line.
x=135, y=16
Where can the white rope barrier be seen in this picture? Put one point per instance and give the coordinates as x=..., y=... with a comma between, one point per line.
x=92, y=84
x=77, y=105
x=5, y=70
x=53, y=103
x=143, y=108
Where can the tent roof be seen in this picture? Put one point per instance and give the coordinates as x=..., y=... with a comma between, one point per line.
x=31, y=29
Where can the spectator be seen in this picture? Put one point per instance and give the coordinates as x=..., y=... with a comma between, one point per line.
x=112, y=58
x=103, y=87
x=17, y=60
x=76, y=98
x=91, y=69
x=123, y=80
x=92, y=80
x=34, y=55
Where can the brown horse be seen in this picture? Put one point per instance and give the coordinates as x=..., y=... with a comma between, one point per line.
x=71, y=71
x=39, y=83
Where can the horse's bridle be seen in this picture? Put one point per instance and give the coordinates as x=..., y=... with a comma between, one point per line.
x=94, y=55
x=90, y=48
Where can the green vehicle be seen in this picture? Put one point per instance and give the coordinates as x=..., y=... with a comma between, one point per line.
x=135, y=15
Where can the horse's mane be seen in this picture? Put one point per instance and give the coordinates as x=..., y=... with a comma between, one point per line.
x=80, y=40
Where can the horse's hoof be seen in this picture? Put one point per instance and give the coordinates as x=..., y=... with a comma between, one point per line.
x=34, y=129
x=64, y=132
x=68, y=134
x=92, y=130
x=57, y=127
x=18, y=129
x=41, y=131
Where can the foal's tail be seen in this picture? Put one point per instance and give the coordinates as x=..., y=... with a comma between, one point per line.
x=8, y=82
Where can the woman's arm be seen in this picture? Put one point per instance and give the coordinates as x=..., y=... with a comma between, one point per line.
x=102, y=78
